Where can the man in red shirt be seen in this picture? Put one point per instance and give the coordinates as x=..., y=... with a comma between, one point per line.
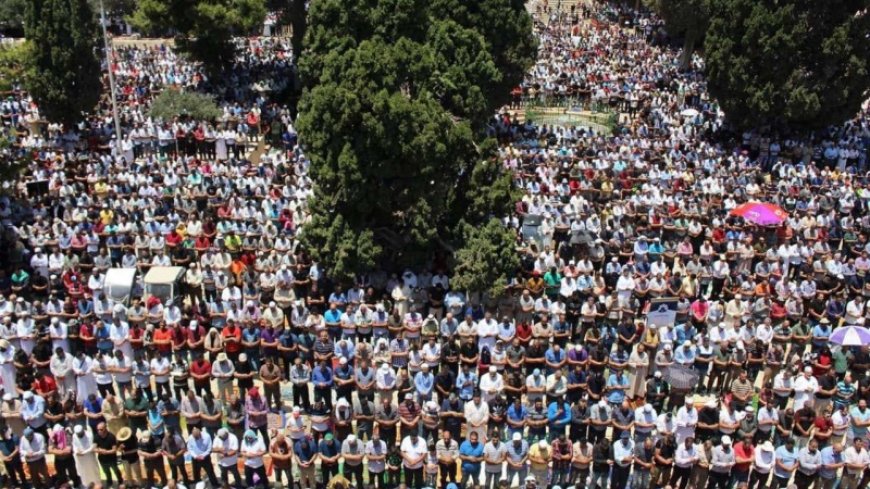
x=200, y=371
x=45, y=386
x=232, y=336
x=744, y=456
x=824, y=428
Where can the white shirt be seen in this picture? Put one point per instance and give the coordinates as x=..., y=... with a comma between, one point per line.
x=231, y=443
x=685, y=458
x=249, y=448
x=160, y=364
x=856, y=458
x=413, y=450
x=804, y=388
x=764, y=461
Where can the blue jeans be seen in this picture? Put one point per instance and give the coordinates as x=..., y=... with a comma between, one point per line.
x=639, y=479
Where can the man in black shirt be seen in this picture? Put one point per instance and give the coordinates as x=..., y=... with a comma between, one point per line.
x=127, y=445
x=602, y=456
x=666, y=448
x=107, y=453
x=152, y=454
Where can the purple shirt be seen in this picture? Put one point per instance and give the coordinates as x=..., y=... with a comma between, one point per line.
x=269, y=335
x=577, y=356
x=258, y=404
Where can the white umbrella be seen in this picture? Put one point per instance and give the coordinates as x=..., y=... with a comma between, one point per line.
x=689, y=113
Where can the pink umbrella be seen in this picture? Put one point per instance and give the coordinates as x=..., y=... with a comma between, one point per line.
x=760, y=213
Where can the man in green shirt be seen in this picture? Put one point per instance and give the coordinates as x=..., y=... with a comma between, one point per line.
x=136, y=409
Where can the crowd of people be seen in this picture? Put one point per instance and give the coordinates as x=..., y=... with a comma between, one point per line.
x=263, y=371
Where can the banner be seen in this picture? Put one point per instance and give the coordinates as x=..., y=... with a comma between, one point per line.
x=662, y=312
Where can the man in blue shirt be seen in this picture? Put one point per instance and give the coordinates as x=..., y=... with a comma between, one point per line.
x=424, y=382
x=321, y=376
x=786, y=463
x=471, y=454
x=559, y=416
x=623, y=456
x=199, y=447
x=617, y=383
x=305, y=451
x=685, y=354
x=466, y=382
x=33, y=413
x=516, y=416
x=329, y=451
x=832, y=462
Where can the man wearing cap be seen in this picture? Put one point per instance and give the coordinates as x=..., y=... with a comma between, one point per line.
x=721, y=463
x=33, y=413
x=33, y=450
x=623, y=457
x=686, y=420
x=224, y=371
x=257, y=412
x=60, y=447
x=540, y=456
x=516, y=454
x=353, y=452
x=805, y=386
x=376, y=454
x=129, y=451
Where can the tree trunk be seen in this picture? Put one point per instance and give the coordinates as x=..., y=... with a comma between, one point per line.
x=686, y=55
x=299, y=21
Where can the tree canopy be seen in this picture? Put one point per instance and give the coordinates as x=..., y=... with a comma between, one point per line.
x=202, y=28
x=801, y=63
x=174, y=103
x=394, y=114
x=66, y=74
x=686, y=19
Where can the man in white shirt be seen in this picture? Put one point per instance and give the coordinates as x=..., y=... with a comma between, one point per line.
x=687, y=419
x=857, y=460
x=805, y=386
x=414, y=451
x=685, y=458
x=491, y=384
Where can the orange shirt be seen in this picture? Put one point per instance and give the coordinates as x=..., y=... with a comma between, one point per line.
x=232, y=347
x=163, y=335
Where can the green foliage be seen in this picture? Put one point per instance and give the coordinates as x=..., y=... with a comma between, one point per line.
x=399, y=92
x=66, y=71
x=12, y=15
x=803, y=63
x=686, y=19
x=202, y=28
x=487, y=259
x=174, y=103
x=14, y=64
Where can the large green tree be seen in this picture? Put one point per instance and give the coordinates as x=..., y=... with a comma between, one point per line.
x=12, y=16
x=686, y=19
x=65, y=78
x=202, y=28
x=394, y=117
x=801, y=63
